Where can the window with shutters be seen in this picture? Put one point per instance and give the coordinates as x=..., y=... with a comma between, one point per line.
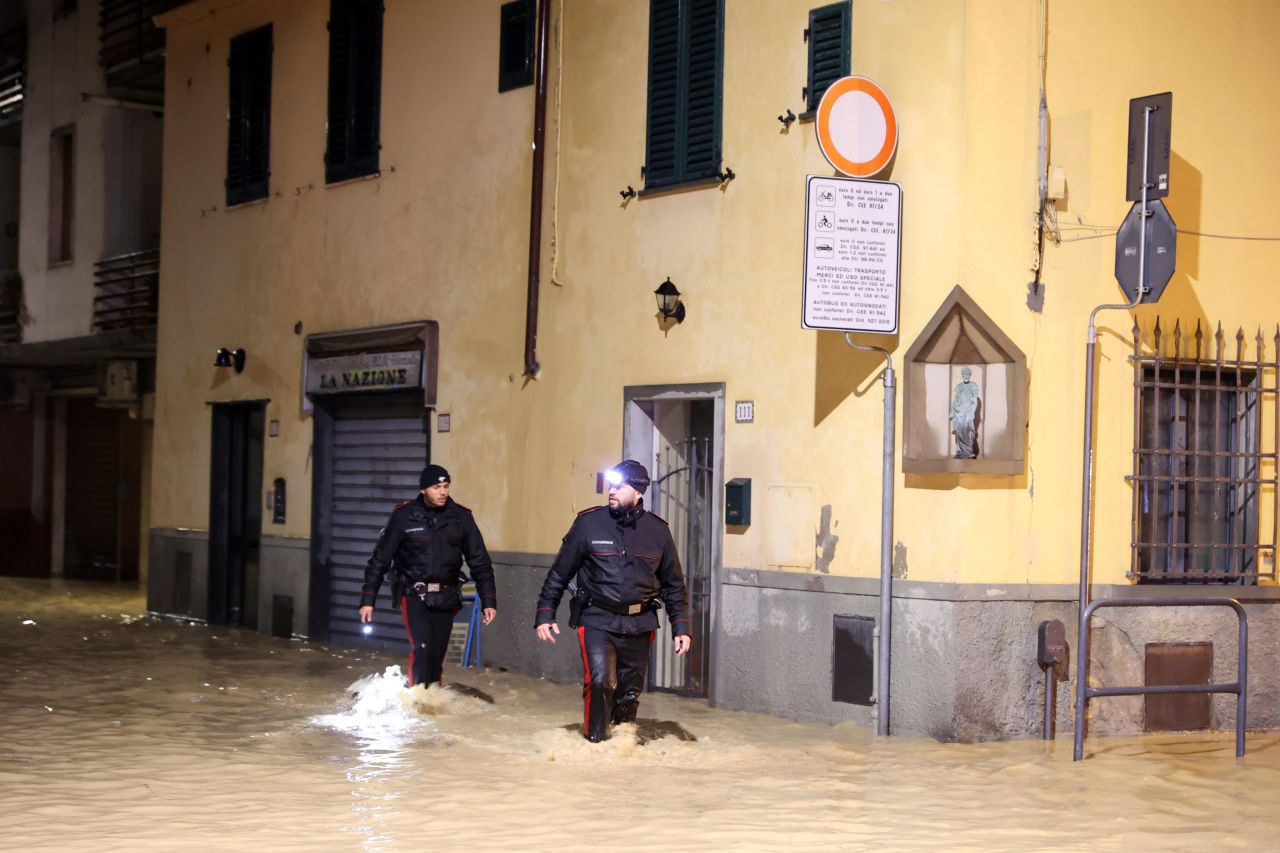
x=829, y=50
x=686, y=81
x=249, y=117
x=515, y=45
x=355, y=89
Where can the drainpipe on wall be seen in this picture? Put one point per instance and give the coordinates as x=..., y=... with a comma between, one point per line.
x=531, y=366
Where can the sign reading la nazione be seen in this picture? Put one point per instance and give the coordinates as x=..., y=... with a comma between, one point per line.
x=375, y=371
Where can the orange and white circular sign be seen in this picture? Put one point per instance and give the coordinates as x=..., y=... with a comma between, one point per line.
x=857, y=129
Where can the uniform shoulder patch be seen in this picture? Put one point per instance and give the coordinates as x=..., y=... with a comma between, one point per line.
x=404, y=504
x=591, y=509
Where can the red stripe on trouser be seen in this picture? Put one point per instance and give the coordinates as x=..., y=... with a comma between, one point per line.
x=586, y=680
x=404, y=611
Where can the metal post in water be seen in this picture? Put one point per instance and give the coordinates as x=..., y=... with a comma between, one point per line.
x=1050, y=702
x=1086, y=491
x=884, y=626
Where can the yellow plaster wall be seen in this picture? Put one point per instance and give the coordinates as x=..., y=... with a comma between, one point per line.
x=438, y=236
x=443, y=237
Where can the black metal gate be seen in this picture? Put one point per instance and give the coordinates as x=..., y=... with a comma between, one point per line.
x=682, y=493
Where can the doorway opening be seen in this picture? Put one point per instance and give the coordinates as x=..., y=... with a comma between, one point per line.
x=235, y=513
x=677, y=432
x=370, y=450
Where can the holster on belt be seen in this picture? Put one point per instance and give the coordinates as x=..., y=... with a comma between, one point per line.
x=576, y=602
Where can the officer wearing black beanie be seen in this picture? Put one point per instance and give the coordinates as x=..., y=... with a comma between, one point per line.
x=427, y=539
x=625, y=563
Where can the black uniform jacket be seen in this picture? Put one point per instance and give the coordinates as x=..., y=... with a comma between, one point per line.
x=428, y=544
x=626, y=560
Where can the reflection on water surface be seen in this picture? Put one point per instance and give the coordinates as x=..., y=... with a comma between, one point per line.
x=121, y=732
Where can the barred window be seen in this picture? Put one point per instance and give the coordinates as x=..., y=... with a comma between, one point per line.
x=1202, y=482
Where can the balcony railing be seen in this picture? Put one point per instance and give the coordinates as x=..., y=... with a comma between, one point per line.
x=13, y=73
x=131, y=48
x=10, y=307
x=128, y=291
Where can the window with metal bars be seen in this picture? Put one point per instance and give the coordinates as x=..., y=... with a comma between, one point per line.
x=515, y=45
x=686, y=82
x=1202, y=481
x=249, y=116
x=355, y=89
x=830, y=45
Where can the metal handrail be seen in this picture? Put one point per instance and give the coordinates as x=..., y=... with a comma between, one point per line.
x=1240, y=686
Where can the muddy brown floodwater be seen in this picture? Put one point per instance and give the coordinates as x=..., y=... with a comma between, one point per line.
x=120, y=731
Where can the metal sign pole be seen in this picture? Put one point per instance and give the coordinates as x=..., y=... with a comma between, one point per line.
x=1086, y=509
x=884, y=626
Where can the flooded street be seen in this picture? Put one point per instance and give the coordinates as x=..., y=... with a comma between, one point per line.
x=119, y=731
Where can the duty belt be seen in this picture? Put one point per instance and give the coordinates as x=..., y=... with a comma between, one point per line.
x=421, y=588
x=622, y=609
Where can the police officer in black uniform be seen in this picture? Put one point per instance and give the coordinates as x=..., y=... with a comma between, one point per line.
x=624, y=560
x=427, y=539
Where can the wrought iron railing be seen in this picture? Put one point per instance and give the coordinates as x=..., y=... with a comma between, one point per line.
x=10, y=307
x=681, y=494
x=13, y=73
x=127, y=291
x=1206, y=430
x=131, y=49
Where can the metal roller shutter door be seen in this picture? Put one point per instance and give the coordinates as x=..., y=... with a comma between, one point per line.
x=376, y=462
x=90, y=539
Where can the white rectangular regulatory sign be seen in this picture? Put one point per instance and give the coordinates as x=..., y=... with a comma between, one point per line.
x=852, y=254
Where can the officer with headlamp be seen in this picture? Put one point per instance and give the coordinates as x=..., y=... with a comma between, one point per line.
x=625, y=564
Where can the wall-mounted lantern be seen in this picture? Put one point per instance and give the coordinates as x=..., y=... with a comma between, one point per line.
x=669, y=304
x=230, y=358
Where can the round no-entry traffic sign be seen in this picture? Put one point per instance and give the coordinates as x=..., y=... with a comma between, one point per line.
x=856, y=127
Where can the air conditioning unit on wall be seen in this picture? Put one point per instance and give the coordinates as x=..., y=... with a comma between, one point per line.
x=117, y=383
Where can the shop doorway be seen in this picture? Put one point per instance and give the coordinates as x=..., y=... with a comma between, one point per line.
x=370, y=450
x=677, y=432
x=235, y=513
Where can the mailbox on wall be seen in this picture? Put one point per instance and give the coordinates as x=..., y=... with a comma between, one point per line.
x=737, y=501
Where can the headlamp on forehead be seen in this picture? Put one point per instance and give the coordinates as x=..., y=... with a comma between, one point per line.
x=612, y=477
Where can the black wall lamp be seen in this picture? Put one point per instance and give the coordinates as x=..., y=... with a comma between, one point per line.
x=669, y=304
x=229, y=358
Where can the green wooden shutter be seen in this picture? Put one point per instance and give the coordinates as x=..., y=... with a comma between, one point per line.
x=249, y=116
x=366, y=89
x=335, y=151
x=515, y=45
x=664, y=93
x=705, y=46
x=355, y=89
x=830, y=46
x=686, y=61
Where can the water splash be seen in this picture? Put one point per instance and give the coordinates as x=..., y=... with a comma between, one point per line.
x=379, y=711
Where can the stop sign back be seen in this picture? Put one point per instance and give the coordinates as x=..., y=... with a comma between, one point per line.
x=1162, y=238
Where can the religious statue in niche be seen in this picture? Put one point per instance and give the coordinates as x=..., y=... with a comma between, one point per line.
x=964, y=416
